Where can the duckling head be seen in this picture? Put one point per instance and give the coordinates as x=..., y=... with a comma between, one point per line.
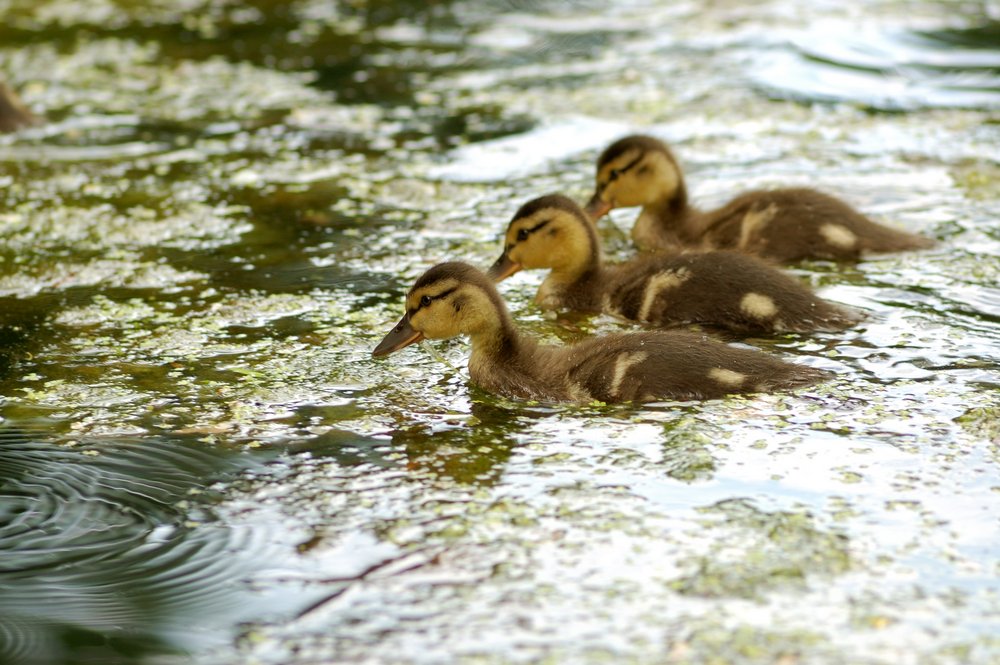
x=548, y=232
x=448, y=300
x=636, y=171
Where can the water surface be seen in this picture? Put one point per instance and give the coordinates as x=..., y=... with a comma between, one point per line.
x=200, y=462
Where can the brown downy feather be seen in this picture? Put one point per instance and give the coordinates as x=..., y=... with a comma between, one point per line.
x=724, y=289
x=801, y=223
x=677, y=365
x=453, y=299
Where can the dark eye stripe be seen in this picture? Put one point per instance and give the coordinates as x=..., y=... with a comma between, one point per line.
x=522, y=234
x=443, y=294
x=626, y=167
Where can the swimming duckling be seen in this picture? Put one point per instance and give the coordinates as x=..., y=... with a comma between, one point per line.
x=13, y=113
x=784, y=225
x=454, y=299
x=720, y=288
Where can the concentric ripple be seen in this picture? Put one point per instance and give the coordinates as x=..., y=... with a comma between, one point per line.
x=65, y=513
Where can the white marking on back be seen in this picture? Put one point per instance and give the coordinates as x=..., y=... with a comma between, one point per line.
x=609, y=305
x=625, y=362
x=727, y=377
x=578, y=393
x=753, y=222
x=758, y=305
x=839, y=236
x=657, y=283
x=549, y=294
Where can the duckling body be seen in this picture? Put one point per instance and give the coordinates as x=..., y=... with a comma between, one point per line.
x=453, y=299
x=718, y=288
x=784, y=225
x=636, y=367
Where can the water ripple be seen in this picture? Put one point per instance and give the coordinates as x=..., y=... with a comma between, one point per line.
x=65, y=512
x=887, y=69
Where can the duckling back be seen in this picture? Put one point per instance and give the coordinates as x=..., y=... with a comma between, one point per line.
x=793, y=224
x=674, y=365
x=722, y=289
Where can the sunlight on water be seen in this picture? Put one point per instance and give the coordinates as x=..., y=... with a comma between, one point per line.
x=201, y=462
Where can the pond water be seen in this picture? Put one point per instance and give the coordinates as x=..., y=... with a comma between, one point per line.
x=201, y=463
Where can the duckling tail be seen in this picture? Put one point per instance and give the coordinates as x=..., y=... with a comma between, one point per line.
x=886, y=239
x=795, y=376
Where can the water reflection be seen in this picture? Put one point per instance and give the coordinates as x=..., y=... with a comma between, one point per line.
x=346, y=448
x=67, y=513
x=228, y=202
x=472, y=452
x=889, y=69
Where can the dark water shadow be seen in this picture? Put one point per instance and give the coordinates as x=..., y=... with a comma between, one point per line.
x=19, y=327
x=289, y=228
x=473, y=454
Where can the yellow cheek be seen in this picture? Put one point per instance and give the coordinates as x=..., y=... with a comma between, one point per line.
x=441, y=321
x=528, y=258
x=528, y=255
x=417, y=320
x=623, y=194
x=627, y=194
x=427, y=324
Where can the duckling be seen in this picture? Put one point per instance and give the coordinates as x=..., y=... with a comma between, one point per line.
x=13, y=114
x=454, y=299
x=785, y=225
x=719, y=288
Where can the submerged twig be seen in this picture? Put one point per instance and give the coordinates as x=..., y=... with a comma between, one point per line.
x=368, y=572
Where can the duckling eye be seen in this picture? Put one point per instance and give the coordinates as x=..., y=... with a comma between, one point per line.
x=522, y=235
x=425, y=301
x=613, y=175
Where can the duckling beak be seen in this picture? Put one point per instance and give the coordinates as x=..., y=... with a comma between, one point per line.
x=597, y=208
x=503, y=268
x=398, y=338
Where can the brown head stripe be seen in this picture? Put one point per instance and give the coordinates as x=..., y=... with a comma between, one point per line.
x=550, y=201
x=462, y=272
x=623, y=145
